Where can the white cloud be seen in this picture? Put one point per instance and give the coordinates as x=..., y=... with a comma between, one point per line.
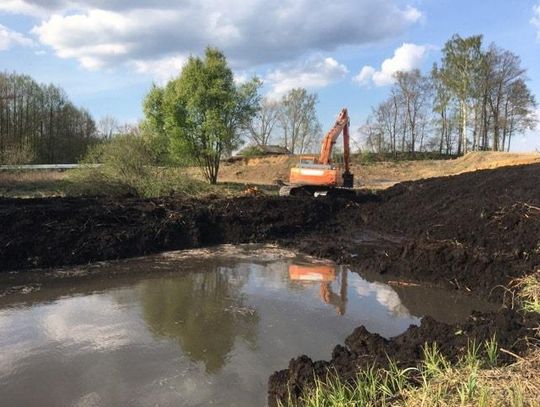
x=413, y=14
x=162, y=69
x=406, y=58
x=535, y=20
x=312, y=74
x=101, y=33
x=9, y=38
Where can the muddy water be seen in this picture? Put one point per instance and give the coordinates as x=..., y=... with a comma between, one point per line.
x=188, y=329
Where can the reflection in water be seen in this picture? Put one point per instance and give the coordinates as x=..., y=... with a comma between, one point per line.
x=325, y=273
x=205, y=312
x=384, y=294
x=189, y=331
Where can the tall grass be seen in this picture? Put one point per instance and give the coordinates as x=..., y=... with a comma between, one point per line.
x=474, y=380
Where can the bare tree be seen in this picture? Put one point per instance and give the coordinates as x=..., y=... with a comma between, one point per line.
x=298, y=119
x=260, y=128
x=107, y=126
x=414, y=91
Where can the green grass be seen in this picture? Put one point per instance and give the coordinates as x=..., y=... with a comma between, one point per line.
x=474, y=380
x=157, y=182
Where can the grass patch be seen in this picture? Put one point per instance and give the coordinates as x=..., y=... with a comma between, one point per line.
x=528, y=292
x=151, y=182
x=34, y=184
x=155, y=182
x=474, y=380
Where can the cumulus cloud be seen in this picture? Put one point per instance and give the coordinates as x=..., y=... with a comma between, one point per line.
x=9, y=38
x=406, y=58
x=312, y=74
x=162, y=69
x=101, y=33
x=535, y=20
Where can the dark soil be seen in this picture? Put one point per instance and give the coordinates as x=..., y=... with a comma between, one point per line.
x=474, y=232
x=67, y=231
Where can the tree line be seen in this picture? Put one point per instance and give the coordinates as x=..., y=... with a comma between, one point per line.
x=474, y=99
x=38, y=123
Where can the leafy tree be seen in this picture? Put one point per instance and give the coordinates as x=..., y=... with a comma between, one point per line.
x=39, y=124
x=484, y=90
x=460, y=65
x=202, y=111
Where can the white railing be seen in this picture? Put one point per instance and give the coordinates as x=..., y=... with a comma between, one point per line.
x=57, y=167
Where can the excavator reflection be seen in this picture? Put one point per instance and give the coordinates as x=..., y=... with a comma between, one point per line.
x=325, y=274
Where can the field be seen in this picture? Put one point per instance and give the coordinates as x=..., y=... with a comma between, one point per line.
x=476, y=232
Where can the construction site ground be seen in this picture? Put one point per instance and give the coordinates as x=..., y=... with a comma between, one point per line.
x=377, y=175
x=475, y=232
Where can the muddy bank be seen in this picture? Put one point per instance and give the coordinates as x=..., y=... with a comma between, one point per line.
x=67, y=231
x=363, y=349
x=475, y=232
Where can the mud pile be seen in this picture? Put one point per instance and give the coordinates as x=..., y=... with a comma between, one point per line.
x=67, y=231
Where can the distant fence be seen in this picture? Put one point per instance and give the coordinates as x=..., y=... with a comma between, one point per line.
x=50, y=167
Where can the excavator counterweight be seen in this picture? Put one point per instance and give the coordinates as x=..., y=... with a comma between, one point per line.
x=319, y=175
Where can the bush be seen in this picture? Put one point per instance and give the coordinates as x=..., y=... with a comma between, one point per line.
x=125, y=167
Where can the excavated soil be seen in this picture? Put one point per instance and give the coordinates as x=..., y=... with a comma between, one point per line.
x=474, y=232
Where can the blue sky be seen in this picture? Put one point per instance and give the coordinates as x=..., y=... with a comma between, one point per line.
x=106, y=54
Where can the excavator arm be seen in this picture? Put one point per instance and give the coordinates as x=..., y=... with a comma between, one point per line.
x=342, y=124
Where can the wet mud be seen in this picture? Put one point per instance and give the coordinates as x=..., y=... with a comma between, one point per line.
x=473, y=232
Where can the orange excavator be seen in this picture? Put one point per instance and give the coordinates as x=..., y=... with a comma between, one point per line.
x=319, y=175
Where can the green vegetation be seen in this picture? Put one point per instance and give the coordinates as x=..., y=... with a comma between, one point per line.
x=38, y=123
x=34, y=184
x=199, y=115
x=127, y=168
x=475, y=380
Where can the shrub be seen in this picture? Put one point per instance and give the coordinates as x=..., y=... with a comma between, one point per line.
x=124, y=166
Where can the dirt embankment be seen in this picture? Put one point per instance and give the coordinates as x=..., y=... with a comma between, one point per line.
x=266, y=170
x=66, y=231
x=474, y=232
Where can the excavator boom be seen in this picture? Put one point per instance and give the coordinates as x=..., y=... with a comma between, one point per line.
x=342, y=124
